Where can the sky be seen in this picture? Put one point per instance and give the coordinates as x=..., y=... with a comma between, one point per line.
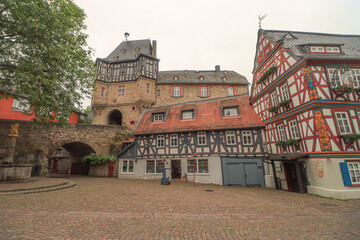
x=199, y=34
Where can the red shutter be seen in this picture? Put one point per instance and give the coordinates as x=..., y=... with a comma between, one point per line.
x=172, y=91
x=181, y=91
x=208, y=91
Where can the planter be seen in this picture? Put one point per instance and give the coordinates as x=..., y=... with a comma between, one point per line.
x=351, y=138
x=266, y=74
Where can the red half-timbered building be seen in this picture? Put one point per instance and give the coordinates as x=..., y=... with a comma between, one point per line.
x=306, y=89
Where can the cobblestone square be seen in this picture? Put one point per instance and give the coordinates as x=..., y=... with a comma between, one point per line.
x=105, y=208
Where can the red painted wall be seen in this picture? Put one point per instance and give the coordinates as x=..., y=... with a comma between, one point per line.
x=6, y=112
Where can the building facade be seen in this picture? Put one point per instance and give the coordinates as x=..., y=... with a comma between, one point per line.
x=306, y=90
x=221, y=141
x=129, y=81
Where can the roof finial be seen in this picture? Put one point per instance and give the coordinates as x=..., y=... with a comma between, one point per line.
x=260, y=19
x=126, y=35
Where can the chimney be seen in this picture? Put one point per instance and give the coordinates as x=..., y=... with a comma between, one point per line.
x=154, y=48
x=217, y=68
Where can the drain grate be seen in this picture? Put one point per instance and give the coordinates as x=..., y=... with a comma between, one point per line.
x=208, y=190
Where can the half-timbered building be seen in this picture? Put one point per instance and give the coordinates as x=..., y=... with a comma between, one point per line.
x=306, y=89
x=216, y=141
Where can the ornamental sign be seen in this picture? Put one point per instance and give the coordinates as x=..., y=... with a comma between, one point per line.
x=342, y=75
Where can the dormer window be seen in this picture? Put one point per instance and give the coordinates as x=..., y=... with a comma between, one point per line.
x=325, y=49
x=176, y=78
x=317, y=49
x=230, y=111
x=224, y=78
x=332, y=49
x=158, y=117
x=189, y=114
x=201, y=77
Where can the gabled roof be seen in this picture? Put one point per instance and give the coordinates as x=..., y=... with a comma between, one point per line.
x=208, y=116
x=192, y=76
x=299, y=42
x=130, y=50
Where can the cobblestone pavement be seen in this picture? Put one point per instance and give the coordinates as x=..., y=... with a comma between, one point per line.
x=102, y=208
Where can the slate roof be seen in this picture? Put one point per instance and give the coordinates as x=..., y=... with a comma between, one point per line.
x=208, y=116
x=128, y=50
x=192, y=76
x=298, y=43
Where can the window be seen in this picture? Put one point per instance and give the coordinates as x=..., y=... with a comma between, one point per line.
x=343, y=122
x=354, y=169
x=317, y=49
x=201, y=166
x=356, y=77
x=294, y=129
x=173, y=140
x=274, y=99
x=116, y=72
x=228, y=112
x=158, y=93
x=133, y=108
x=103, y=69
x=160, y=143
x=59, y=152
x=204, y=92
x=102, y=94
x=129, y=152
x=21, y=105
x=129, y=70
x=154, y=166
x=335, y=78
x=332, y=49
x=127, y=166
x=149, y=67
x=201, y=136
x=281, y=131
x=284, y=92
x=121, y=91
x=176, y=91
x=230, y=91
x=247, y=138
x=132, y=122
x=147, y=88
x=187, y=114
x=158, y=117
x=230, y=138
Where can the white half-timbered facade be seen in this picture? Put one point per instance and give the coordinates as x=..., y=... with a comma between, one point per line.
x=221, y=141
x=306, y=89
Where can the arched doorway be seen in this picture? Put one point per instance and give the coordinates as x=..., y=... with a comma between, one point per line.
x=115, y=118
x=77, y=151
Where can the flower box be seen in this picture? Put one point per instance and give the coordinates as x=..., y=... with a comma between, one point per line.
x=266, y=74
x=343, y=89
x=274, y=109
x=352, y=137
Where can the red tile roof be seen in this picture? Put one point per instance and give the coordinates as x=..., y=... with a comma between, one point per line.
x=207, y=117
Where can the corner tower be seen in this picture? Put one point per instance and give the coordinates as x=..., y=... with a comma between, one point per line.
x=125, y=83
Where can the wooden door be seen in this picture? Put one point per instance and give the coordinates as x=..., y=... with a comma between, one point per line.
x=111, y=169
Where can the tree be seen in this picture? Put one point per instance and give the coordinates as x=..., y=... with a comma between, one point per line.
x=44, y=56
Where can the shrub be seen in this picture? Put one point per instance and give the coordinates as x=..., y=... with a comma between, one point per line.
x=94, y=159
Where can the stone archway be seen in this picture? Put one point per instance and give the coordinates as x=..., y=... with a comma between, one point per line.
x=115, y=118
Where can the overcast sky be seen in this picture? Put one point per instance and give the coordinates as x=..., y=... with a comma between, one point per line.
x=199, y=34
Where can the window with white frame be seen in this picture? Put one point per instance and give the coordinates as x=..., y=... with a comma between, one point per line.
x=201, y=136
x=343, y=122
x=294, y=129
x=229, y=112
x=127, y=166
x=285, y=92
x=281, y=131
x=129, y=152
x=230, y=91
x=203, y=92
x=247, y=138
x=160, y=141
x=149, y=67
x=116, y=72
x=274, y=99
x=154, y=166
x=129, y=70
x=159, y=117
x=21, y=105
x=335, y=78
x=187, y=114
x=173, y=140
x=356, y=77
x=317, y=49
x=177, y=91
x=121, y=91
x=200, y=165
x=354, y=169
x=103, y=69
x=230, y=138
x=332, y=49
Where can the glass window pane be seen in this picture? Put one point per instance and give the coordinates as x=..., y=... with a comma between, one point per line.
x=190, y=166
x=124, y=169
x=131, y=166
x=203, y=166
x=150, y=167
x=159, y=166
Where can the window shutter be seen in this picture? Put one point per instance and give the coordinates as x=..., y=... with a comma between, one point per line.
x=172, y=91
x=345, y=173
x=208, y=91
x=181, y=91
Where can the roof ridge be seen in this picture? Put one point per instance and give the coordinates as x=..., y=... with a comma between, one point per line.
x=315, y=33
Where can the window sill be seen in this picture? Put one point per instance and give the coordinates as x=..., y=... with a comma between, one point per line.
x=198, y=174
x=125, y=173
x=159, y=174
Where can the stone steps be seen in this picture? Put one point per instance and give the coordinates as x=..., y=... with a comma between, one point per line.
x=54, y=187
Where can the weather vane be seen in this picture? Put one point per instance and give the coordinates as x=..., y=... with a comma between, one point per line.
x=260, y=19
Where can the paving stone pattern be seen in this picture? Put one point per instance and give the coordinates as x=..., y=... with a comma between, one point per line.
x=105, y=208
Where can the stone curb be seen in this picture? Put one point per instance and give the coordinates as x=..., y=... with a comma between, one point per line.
x=65, y=185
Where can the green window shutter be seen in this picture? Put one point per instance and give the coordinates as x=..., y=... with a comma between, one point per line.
x=345, y=173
